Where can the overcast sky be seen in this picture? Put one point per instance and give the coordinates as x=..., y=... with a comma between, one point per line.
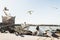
x=44, y=11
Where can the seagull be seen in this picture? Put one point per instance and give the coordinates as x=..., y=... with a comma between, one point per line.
x=6, y=11
x=5, y=8
x=55, y=7
x=30, y=12
x=55, y=35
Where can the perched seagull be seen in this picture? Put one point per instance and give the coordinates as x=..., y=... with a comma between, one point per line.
x=55, y=35
x=6, y=11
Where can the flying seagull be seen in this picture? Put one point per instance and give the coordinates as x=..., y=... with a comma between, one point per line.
x=55, y=7
x=30, y=12
x=5, y=8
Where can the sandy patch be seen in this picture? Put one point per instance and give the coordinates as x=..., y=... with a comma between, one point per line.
x=8, y=36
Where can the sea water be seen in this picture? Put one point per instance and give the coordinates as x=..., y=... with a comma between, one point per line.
x=43, y=28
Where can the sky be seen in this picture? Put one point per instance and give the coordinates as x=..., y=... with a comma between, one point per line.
x=44, y=11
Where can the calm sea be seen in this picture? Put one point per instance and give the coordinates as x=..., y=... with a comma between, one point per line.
x=43, y=28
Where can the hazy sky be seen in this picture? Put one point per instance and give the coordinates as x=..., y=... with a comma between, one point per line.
x=44, y=11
